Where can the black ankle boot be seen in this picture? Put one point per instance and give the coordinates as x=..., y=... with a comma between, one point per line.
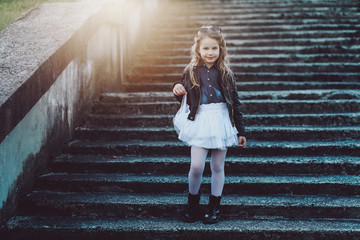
x=191, y=214
x=212, y=215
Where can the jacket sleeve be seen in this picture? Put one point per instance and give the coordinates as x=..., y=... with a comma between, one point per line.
x=183, y=77
x=237, y=113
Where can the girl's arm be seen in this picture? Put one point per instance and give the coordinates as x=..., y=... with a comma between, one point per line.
x=238, y=116
x=178, y=87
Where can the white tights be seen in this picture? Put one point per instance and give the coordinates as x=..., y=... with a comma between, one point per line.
x=198, y=156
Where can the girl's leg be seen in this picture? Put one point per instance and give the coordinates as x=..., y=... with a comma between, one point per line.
x=217, y=183
x=198, y=156
x=217, y=171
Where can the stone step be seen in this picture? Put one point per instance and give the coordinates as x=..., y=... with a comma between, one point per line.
x=248, y=107
x=267, y=4
x=315, y=119
x=235, y=10
x=258, y=58
x=272, y=6
x=264, y=14
x=312, y=94
x=241, y=29
x=258, y=22
x=171, y=205
x=259, y=75
x=246, y=86
x=275, y=2
x=342, y=185
x=243, y=50
x=253, y=148
x=255, y=6
x=262, y=35
x=294, y=67
x=260, y=42
x=95, y=228
x=253, y=165
x=238, y=15
x=255, y=11
x=258, y=9
x=263, y=133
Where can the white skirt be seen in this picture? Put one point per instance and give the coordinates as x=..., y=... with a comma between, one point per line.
x=211, y=129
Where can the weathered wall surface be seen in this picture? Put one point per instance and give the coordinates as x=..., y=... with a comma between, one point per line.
x=54, y=60
x=24, y=152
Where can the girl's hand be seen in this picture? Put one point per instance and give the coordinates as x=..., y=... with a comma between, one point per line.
x=242, y=141
x=179, y=89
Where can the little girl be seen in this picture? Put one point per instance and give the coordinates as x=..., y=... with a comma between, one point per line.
x=209, y=118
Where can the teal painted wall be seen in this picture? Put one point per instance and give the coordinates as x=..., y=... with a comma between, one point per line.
x=53, y=117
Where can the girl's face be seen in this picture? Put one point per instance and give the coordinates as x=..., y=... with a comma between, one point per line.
x=209, y=51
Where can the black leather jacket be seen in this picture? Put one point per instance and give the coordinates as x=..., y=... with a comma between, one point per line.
x=231, y=98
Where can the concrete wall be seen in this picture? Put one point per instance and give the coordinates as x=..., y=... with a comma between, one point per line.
x=43, y=97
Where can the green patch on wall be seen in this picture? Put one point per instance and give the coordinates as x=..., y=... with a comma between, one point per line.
x=12, y=9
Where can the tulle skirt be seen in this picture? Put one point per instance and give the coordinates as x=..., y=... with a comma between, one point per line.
x=211, y=129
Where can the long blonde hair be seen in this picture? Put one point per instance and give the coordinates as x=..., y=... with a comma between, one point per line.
x=223, y=62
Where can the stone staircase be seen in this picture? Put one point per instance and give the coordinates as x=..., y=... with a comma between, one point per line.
x=124, y=176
